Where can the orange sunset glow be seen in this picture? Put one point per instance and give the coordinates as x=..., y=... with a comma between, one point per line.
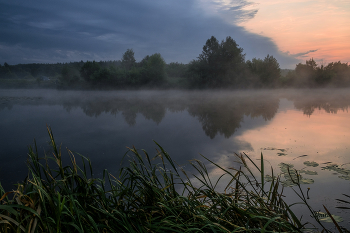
x=305, y=29
x=320, y=136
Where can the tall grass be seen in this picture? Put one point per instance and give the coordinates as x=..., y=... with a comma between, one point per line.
x=146, y=196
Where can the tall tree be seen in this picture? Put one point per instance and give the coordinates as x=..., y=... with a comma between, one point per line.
x=265, y=72
x=219, y=64
x=128, y=59
x=339, y=73
x=154, y=69
x=306, y=73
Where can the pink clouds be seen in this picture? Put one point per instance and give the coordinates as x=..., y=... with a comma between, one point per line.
x=299, y=26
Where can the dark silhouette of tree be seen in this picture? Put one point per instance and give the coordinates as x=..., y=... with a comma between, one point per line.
x=305, y=73
x=153, y=69
x=312, y=75
x=218, y=65
x=221, y=64
x=271, y=72
x=7, y=72
x=322, y=76
x=267, y=71
x=176, y=70
x=69, y=75
x=128, y=59
x=90, y=71
x=339, y=73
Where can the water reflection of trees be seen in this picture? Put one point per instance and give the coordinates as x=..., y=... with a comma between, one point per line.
x=331, y=101
x=225, y=115
x=329, y=107
x=218, y=112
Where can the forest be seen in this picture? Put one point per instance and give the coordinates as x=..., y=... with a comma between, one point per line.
x=221, y=64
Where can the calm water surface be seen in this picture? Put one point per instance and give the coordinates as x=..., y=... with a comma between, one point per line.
x=306, y=129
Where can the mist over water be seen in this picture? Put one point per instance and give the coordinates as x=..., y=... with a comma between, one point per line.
x=300, y=128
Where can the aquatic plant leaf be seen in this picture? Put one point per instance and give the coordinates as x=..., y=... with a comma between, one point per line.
x=328, y=219
x=281, y=154
x=324, y=217
x=273, y=148
x=306, y=181
x=336, y=168
x=308, y=172
x=344, y=177
x=288, y=183
x=285, y=165
x=292, y=176
x=269, y=178
x=300, y=156
x=289, y=173
x=269, y=148
x=311, y=164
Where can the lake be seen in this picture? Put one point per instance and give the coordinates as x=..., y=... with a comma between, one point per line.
x=306, y=129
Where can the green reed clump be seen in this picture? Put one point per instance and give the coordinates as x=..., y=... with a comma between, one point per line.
x=144, y=197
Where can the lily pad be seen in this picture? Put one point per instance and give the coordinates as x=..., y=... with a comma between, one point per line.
x=292, y=176
x=269, y=178
x=306, y=181
x=311, y=164
x=344, y=177
x=336, y=168
x=269, y=148
x=287, y=183
x=325, y=217
x=281, y=154
x=308, y=172
x=286, y=165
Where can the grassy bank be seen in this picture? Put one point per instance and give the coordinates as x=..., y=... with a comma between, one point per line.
x=148, y=195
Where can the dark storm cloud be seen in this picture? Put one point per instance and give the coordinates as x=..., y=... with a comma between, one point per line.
x=63, y=31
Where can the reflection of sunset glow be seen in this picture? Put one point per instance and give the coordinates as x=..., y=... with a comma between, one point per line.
x=300, y=27
x=323, y=137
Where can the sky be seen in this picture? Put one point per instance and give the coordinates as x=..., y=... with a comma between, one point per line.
x=292, y=31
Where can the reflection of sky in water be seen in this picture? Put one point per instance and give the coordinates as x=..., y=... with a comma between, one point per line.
x=321, y=138
x=284, y=126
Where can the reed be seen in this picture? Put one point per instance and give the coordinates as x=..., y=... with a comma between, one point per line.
x=145, y=196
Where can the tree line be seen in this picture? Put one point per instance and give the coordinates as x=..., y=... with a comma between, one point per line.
x=221, y=64
x=310, y=74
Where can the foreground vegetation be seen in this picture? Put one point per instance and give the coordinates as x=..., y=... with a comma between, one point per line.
x=220, y=65
x=144, y=197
